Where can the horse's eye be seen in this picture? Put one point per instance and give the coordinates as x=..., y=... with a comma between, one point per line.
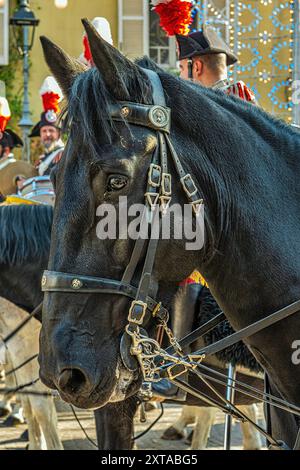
x=116, y=182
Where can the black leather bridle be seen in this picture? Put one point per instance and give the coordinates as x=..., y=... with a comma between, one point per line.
x=157, y=197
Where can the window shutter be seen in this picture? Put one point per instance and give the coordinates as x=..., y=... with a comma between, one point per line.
x=134, y=27
x=4, y=33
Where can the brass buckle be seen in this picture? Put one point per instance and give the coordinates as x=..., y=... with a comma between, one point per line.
x=188, y=178
x=151, y=178
x=173, y=373
x=196, y=205
x=156, y=310
x=152, y=199
x=137, y=312
x=196, y=358
x=166, y=184
x=165, y=203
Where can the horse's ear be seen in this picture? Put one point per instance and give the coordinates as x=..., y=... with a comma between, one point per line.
x=113, y=66
x=64, y=68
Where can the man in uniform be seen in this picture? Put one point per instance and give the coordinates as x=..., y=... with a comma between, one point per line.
x=48, y=130
x=48, y=127
x=204, y=58
x=9, y=166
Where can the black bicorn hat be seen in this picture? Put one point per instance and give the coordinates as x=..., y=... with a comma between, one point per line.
x=11, y=139
x=48, y=118
x=204, y=42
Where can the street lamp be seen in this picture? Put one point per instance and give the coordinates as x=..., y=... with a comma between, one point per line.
x=23, y=24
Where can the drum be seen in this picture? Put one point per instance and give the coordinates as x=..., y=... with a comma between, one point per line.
x=10, y=170
x=38, y=189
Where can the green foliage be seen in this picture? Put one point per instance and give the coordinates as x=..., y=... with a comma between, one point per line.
x=9, y=74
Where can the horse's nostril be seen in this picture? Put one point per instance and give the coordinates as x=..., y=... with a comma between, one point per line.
x=72, y=380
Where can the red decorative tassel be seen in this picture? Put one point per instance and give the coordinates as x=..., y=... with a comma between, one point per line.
x=50, y=102
x=175, y=16
x=87, y=50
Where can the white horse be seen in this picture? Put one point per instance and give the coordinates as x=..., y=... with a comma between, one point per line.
x=204, y=418
x=13, y=411
x=39, y=411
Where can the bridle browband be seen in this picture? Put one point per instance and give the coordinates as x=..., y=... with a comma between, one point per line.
x=135, y=341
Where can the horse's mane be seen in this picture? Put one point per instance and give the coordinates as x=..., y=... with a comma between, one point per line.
x=25, y=233
x=90, y=99
x=177, y=89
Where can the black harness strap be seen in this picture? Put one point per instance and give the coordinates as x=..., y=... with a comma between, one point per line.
x=35, y=312
x=20, y=366
x=251, y=329
x=138, y=307
x=136, y=254
x=71, y=283
x=297, y=443
x=199, y=332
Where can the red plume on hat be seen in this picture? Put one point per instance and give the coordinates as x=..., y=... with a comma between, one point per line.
x=51, y=95
x=5, y=113
x=175, y=15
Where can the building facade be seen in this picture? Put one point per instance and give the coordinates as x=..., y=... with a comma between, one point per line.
x=264, y=33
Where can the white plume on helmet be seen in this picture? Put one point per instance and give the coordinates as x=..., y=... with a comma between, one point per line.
x=103, y=27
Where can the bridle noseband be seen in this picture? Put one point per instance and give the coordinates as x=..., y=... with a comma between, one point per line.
x=158, y=196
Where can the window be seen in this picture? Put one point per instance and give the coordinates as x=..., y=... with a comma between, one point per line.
x=133, y=27
x=4, y=33
x=162, y=49
x=140, y=33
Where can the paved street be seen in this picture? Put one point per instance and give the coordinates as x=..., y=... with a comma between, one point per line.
x=74, y=439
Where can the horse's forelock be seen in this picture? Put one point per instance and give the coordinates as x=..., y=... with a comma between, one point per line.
x=88, y=108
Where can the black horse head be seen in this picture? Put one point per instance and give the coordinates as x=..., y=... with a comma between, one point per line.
x=103, y=160
x=238, y=156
